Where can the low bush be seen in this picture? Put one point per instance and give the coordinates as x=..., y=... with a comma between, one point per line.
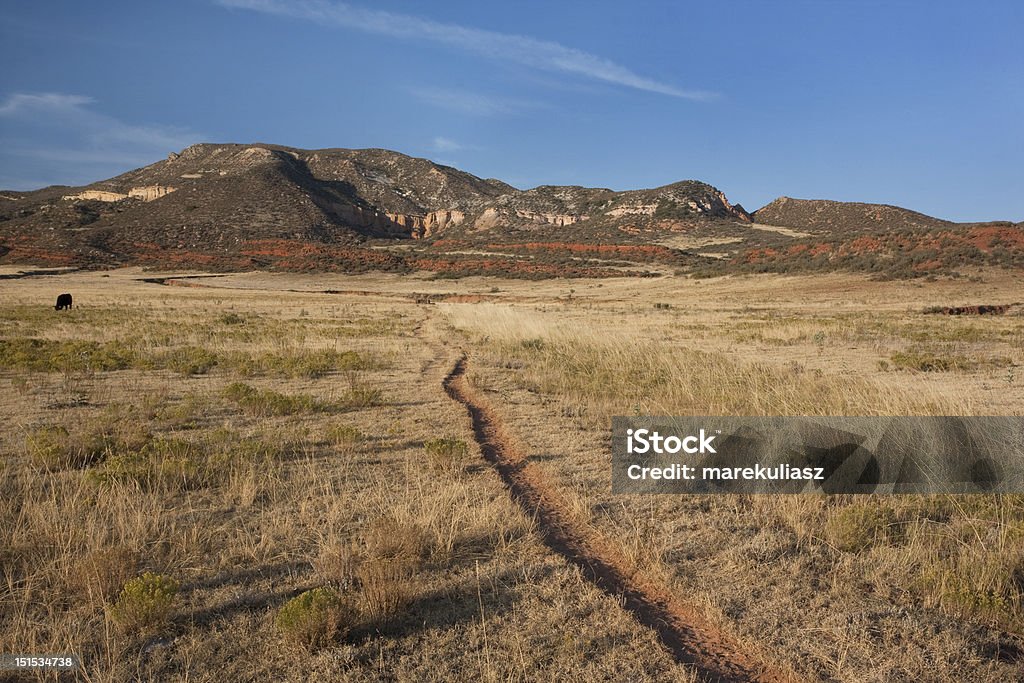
x=309, y=364
x=315, y=618
x=267, y=402
x=188, y=360
x=88, y=442
x=145, y=604
x=73, y=355
x=446, y=454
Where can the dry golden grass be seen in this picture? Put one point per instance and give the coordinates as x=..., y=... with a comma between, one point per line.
x=153, y=469
x=936, y=581
x=345, y=466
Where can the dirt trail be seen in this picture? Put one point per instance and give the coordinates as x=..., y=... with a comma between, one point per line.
x=690, y=637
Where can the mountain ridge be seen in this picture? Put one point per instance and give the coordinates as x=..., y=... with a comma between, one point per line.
x=260, y=205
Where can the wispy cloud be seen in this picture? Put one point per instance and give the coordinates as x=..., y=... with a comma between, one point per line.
x=440, y=144
x=64, y=139
x=471, y=103
x=539, y=54
x=49, y=101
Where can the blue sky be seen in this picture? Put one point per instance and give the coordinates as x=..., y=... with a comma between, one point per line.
x=919, y=104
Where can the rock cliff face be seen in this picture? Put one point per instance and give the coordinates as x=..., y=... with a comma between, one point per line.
x=146, y=194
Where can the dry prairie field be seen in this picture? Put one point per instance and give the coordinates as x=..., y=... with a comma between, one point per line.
x=379, y=477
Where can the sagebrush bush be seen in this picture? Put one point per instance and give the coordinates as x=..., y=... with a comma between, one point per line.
x=71, y=355
x=446, y=454
x=232, y=319
x=87, y=442
x=267, y=402
x=305, y=363
x=163, y=463
x=145, y=604
x=362, y=396
x=188, y=360
x=315, y=618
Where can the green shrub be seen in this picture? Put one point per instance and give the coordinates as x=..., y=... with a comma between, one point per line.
x=184, y=414
x=267, y=402
x=73, y=355
x=928, y=362
x=309, y=364
x=984, y=584
x=446, y=454
x=55, y=447
x=188, y=360
x=145, y=604
x=315, y=618
x=162, y=463
x=361, y=396
x=48, y=447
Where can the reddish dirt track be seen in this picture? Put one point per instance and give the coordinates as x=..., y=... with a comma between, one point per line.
x=684, y=632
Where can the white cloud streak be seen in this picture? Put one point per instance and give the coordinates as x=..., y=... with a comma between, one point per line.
x=539, y=54
x=50, y=101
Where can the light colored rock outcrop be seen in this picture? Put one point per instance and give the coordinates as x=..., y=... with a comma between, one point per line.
x=97, y=195
x=146, y=193
x=550, y=218
x=633, y=210
x=492, y=217
x=436, y=221
x=400, y=224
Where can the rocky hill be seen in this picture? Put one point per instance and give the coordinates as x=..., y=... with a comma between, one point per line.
x=831, y=216
x=231, y=206
x=216, y=198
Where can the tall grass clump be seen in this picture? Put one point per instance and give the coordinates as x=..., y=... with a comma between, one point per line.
x=394, y=551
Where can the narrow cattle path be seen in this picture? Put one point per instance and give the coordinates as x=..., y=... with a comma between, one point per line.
x=683, y=630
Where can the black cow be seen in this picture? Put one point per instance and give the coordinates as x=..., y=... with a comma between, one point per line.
x=63, y=301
